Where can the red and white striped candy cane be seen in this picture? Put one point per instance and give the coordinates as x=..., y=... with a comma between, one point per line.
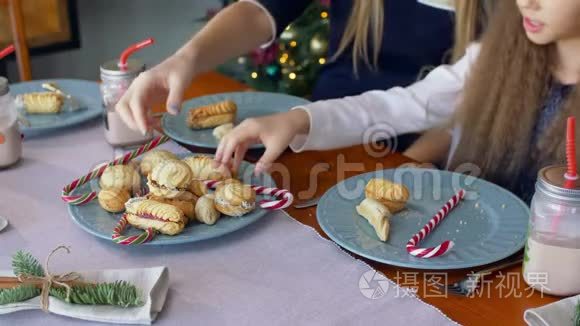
x=283, y=197
x=97, y=172
x=121, y=239
x=444, y=247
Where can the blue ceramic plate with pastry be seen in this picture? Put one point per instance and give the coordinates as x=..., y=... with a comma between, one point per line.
x=488, y=225
x=189, y=215
x=42, y=108
x=204, y=120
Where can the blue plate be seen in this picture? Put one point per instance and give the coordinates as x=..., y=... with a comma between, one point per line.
x=488, y=225
x=250, y=104
x=96, y=221
x=87, y=93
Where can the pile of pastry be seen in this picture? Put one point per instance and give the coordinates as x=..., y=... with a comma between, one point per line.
x=177, y=194
x=383, y=198
x=220, y=116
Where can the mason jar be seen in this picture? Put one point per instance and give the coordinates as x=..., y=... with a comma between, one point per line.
x=552, y=256
x=10, y=136
x=114, y=83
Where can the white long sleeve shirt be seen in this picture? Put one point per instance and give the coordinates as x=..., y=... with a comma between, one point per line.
x=360, y=119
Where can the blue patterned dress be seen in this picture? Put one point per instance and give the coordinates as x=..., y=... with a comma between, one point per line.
x=526, y=180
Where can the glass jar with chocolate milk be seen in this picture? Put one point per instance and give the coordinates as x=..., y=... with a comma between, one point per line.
x=552, y=257
x=115, y=82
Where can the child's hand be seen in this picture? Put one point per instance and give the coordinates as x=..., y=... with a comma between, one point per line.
x=274, y=131
x=165, y=82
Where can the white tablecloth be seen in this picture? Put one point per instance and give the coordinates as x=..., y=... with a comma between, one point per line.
x=276, y=271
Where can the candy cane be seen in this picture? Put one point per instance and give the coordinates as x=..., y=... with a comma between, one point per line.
x=97, y=172
x=285, y=200
x=444, y=247
x=284, y=197
x=141, y=238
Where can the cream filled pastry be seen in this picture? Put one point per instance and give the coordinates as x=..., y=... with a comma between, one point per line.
x=234, y=198
x=202, y=169
x=205, y=211
x=186, y=206
x=198, y=188
x=113, y=200
x=171, y=179
x=123, y=177
x=212, y=115
x=377, y=215
x=219, y=132
x=42, y=103
x=145, y=213
x=154, y=157
x=393, y=195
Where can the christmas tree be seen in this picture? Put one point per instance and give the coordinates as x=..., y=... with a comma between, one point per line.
x=291, y=64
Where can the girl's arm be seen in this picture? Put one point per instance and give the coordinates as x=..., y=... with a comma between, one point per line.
x=355, y=120
x=235, y=30
x=432, y=147
x=352, y=120
x=240, y=28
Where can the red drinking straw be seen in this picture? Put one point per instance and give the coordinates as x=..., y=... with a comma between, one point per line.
x=571, y=175
x=132, y=49
x=6, y=51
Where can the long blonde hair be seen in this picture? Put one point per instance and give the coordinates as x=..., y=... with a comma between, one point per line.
x=367, y=17
x=501, y=104
x=471, y=17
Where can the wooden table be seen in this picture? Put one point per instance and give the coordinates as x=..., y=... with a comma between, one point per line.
x=495, y=304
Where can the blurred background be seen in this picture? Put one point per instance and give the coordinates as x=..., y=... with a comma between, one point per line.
x=104, y=28
x=71, y=38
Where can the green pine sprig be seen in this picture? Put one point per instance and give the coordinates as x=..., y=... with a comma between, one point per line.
x=119, y=293
x=577, y=318
x=25, y=263
x=18, y=294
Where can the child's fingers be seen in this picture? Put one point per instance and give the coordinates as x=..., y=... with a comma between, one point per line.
x=175, y=96
x=139, y=112
x=239, y=135
x=228, y=150
x=270, y=155
x=218, y=153
x=239, y=155
x=124, y=111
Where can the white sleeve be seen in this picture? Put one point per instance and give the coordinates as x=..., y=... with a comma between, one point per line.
x=272, y=22
x=361, y=119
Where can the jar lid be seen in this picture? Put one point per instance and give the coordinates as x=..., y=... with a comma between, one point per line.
x=4, y=88
x=111, y=68
x=552, y=182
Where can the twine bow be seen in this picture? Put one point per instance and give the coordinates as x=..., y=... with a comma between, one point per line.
x=48, y=280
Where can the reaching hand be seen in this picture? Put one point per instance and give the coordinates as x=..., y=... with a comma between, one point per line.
x=274, y=131
x=165, y=82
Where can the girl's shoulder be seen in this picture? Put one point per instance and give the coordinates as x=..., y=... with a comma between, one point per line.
x=471, y=53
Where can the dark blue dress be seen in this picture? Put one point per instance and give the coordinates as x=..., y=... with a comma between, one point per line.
x=415, y=35
x=554, y=103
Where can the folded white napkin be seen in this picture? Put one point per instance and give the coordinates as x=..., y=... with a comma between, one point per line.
x=152, y=284
x=559, y=313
